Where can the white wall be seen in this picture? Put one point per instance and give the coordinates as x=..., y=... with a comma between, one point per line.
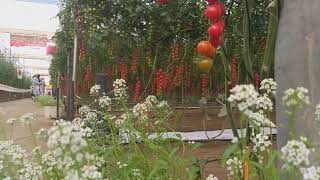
x=28, y=15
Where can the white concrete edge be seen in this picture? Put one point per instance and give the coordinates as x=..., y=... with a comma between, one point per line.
x=198, y=135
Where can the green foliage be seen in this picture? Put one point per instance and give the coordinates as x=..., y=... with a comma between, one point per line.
x=8, y=75
x=45, y=100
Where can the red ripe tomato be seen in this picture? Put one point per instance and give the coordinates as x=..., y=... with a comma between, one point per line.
x=216, y=41
x=162, y=1
x=215, y=30
x=221, y=23
x=221, y=6
x=214, y=12
x=206, y=49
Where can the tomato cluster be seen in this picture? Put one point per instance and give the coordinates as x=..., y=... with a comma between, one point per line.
x=205, y=82
x=82, y=50
x=257, y=81
x=214, y=12
x=137, y=89
x=123, y=71
x=148, y=58
x=160, y=81
x=162, y=1
x=135, y=63
x=188, y=75
x=87, y=79
x=234, y=72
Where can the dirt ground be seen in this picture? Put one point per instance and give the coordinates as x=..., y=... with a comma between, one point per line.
x=15, y=109
x=190, y=120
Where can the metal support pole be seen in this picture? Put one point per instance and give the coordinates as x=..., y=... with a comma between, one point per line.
x=58, y=95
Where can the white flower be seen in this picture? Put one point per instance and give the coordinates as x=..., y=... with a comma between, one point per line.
x=91, y=116
x=296, y=97
x=260, y=142
x=95, y=89
x=11, y=121
x=258, y=119
x=311, y=173
x=163, y=105
x=121, y=165
x=234, y=166
x=151, y=101
x=30, y=171
x=136, y=172
x=295, y=153
x=91, y=172
x=42, y=134
x=211, y=177
x=120, y=88
x=265, y=103
x=27, y=119
x=140, y=111
x=191, y=142
x=84, y=110
x=268, y=86
x=104, y=102
x=245, y=96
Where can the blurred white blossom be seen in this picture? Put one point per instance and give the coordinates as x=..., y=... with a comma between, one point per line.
x=27, y=119
x=295, y=153
x=95, y=89
x=268, y=86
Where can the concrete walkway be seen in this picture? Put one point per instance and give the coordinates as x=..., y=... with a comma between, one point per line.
x=18, y=133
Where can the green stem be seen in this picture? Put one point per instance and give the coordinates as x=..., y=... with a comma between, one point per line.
x=33, y=136
x=246, y=39
x=227, y=93
x=272, y=36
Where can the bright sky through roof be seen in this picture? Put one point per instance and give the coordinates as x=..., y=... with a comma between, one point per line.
x=29, y=15
x=42, y=1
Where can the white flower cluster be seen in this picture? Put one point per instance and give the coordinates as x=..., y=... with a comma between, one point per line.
x=66, y=141
x=317, y=113
x=121, y=165
x=27, y=119
x=105, y=102
x=268, y=86
x=84, y=110
x=151, y=101
x=30, y=171
x=260, y=142
x=94, y=90
x=42, y=134
x=265, y=103
x=11, y=153
x=296, y=97
x=211, y=177
x=91, y=172
x=140, y=111
x=234, y=166
x=120, y=88
x=258, y=119
x=311, y=173
x=295, y=153
x=121, y=120
x=68, y=151
x=136, y=173
x=163, y=105
x=245, y=96
x=91, y=116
